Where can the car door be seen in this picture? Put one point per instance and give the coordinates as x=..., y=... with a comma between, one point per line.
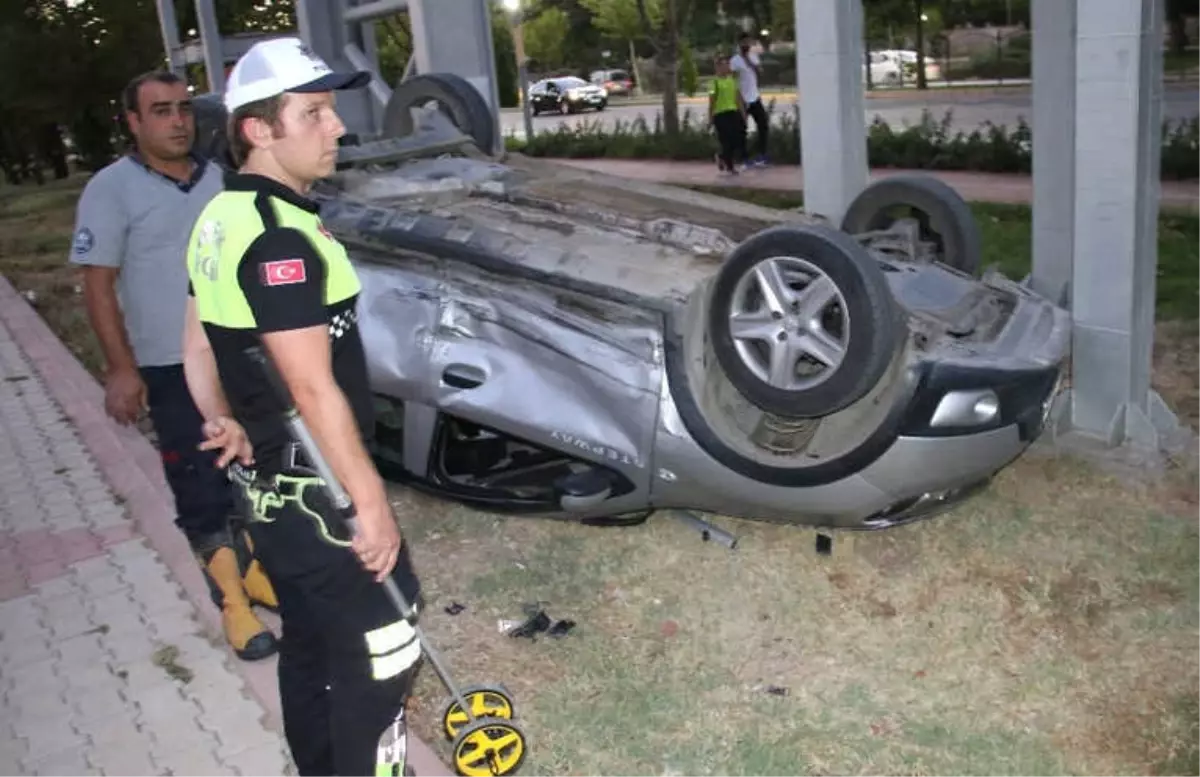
x=521, y=359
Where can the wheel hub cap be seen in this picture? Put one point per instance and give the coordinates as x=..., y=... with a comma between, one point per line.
x=789, y=323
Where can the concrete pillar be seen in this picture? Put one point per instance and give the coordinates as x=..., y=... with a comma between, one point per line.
x=833, y=132
x=320, y=23
x=1117, y=132
x=210, y=36
x=458, y=40
x=170, y=33
x=1054, y=30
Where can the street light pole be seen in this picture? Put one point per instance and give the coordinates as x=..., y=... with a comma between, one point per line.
x=517, y=24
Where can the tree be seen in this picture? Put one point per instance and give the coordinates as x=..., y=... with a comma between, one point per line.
x=783, y=19
x=545, y=37
x=619, y=19
x=664, y=37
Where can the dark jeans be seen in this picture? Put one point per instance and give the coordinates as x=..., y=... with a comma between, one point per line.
x=346, y=658
x=731, y=134
x=762, y=125
x=203, y=494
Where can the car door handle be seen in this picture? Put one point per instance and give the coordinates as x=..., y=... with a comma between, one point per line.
x=463, y=376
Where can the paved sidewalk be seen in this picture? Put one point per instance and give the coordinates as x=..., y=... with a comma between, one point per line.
x=985, y=187
x=111, y=655
x=93, y=626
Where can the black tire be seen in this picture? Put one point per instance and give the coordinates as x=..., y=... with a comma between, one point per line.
x=212, y=133
x=460, y=101
x=937, y=204
x=876, y=322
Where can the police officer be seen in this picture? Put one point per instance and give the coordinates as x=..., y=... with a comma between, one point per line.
x=265, y=273
x=132, y=224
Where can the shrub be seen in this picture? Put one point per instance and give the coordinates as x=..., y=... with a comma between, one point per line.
x=928, y=145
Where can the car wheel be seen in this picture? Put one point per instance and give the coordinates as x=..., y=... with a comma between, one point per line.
x=455, y=97
x=943, y=220
x=802, y=321
x=212, y=138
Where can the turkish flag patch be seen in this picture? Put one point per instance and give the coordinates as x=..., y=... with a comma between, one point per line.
x=283, y=272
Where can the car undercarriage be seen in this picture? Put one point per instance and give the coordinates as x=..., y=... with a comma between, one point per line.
x=558, y=342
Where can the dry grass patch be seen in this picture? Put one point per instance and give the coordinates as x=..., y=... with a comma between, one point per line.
x=1018, y=634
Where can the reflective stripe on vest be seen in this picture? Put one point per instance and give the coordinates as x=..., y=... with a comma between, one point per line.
x=226, y=229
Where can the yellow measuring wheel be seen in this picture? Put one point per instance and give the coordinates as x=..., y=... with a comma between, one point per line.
x=483, y=701
x=489, y=747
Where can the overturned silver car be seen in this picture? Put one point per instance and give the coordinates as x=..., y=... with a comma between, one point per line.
x=553, y=341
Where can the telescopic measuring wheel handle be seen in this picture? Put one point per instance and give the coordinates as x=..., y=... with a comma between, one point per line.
x=489, y=743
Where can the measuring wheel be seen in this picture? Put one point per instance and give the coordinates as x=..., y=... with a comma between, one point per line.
x=489, y=747
x=485, y=701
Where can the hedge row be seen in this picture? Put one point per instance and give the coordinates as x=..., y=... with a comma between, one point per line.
x=928, y=145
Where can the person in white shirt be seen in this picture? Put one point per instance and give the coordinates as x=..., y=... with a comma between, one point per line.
x=747, y=65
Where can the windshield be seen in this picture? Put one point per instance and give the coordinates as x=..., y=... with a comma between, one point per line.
x=571, y=83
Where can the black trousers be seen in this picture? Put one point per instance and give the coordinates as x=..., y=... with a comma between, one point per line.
x=762, y=126
x=731, y=135
x=346, y=658
x=203, y=495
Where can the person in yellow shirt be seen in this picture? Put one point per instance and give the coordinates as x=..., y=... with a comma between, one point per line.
x=727, y=115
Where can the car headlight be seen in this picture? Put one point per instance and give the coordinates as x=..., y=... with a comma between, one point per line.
x=957, y=399
x=974, y=407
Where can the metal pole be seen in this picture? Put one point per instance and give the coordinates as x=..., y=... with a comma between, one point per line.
x=210, y=37
x=518, y=29
x=170, y=34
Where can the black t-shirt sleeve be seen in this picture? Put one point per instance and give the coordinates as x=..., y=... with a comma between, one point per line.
x=283, y=278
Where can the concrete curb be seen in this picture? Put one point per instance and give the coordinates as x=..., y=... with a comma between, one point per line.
x=132, y=468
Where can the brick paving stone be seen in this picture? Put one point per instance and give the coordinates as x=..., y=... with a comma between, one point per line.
x=86, y=608
x=72, y=761
x=259, y=760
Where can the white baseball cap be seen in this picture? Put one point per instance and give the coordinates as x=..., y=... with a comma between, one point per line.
x=281, y=65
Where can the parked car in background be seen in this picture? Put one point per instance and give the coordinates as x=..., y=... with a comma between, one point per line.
x=566, y=94
x=892, y=67
x=615, y=82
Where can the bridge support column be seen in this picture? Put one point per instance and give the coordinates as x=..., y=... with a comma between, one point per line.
x=457, y=39
x=1054, y=25
x=169, y=24
x=833, y=133
x=1118, y=109
x=321, y=24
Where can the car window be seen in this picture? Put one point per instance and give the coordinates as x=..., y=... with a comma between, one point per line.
x=571, y=83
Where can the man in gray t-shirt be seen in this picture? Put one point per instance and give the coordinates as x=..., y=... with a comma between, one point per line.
x=131, y=230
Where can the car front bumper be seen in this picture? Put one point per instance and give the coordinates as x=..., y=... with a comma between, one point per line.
x=910, y=468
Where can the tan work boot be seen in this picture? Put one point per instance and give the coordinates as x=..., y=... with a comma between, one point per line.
x=255, y=581
x=248, y=637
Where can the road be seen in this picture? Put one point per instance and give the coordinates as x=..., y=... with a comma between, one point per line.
x=970, y=111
